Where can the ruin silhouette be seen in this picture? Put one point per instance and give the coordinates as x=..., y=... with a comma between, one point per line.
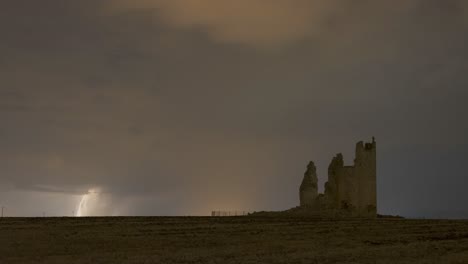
x=349, y=191
x=308, y=190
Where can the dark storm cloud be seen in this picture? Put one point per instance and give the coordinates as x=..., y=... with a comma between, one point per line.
x=174, y=107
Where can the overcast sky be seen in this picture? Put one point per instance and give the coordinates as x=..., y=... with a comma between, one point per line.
x=180, y=107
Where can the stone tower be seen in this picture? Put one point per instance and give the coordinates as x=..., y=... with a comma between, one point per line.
x=353, y=188
x=308, y=190
x=365, y=169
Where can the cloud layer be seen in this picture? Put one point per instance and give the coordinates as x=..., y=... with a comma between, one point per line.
x=168, y=107
x=252, y=22
x=278, y=23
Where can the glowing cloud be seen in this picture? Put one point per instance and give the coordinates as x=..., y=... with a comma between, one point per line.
x=265, y=23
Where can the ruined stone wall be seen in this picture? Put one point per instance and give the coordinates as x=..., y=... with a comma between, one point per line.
x=348, y=188
x=331, y=187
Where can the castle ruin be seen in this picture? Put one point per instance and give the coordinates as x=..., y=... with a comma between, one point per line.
x=350, y=190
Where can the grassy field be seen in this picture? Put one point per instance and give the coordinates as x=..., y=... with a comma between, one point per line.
x=231, y=240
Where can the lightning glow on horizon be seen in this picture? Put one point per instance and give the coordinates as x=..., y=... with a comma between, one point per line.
x=87, y=200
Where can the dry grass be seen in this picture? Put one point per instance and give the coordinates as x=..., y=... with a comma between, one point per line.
x=231, y=240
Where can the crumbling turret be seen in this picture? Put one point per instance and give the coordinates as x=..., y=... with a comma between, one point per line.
x=308, y=190
x=331, y=187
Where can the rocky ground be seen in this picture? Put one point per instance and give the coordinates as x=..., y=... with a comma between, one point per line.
x=244, y=239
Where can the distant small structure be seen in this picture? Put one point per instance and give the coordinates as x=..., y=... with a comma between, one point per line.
x=351, y=190
x=228, y=213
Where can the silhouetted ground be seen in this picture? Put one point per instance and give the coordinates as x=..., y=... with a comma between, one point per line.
x=231, y=240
